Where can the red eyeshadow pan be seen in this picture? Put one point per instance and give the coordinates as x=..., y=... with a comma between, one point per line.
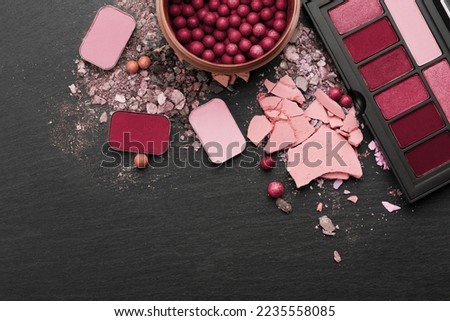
x=438, y=77
x=386, y=68
x=417, y=125
x=430, y=155
x=344, y=18
x=401, y=97
x=370, y=40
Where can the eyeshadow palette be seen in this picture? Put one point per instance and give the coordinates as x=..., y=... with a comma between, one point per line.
x=394, y=58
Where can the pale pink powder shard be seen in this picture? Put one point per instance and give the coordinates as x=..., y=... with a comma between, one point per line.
x=285, y=88
x=258, y=129
x=337, y=257
x=319, y=207
x=356, y=137
x=316, y=111
x=346, y=192
x=329, y=104
x=290, y=108
x=350, y=123
x=353, y=199
x=337, y=183
x=269, y=85
x=273, y=115
x=269, y=102
x=281, y=137
x=302, y=129
x=305, y=165
x=327, y=225
x=390, y=207
x=335, y=122
x=336, y=175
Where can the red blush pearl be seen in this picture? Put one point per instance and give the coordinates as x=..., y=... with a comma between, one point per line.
x=174, y=10
x=275, y=189
x=239, y=59
x=269, y=24
x=208, y=55
x=245, y=45
x=259, y=30
x=243, y=10
x=257, y=6
x=198, y=34
x=273, y=34
x=192, y=22
x=234, y=35
x=210, y=19
x=201, y=14
x=187, y=10
x=335, y=93
x=246, y=29
x=254, y=40
x=281, y=5
x=267, y=43
x=198, y=4
x=279, y=25
x=280, y=15
x=233, y=4
x=208, y=29
x=209, y=41
x=253, y=18
x=219, y=35
x=346, y=101
x=266, y=14
x=222, y=23
x=235, y=21
x=223, y=10
x=184, y=35
x=179, y=22
x=268, y=3
x=231, y=49
x=219, y=49
x=267, y=163
x=256, y=51
x=197, y=48
x=213, y=5
x=227, y=60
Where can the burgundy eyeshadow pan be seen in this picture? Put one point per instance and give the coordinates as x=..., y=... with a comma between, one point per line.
x=430, y=155
x=401, y=97
x=370, y=40
x=417, y=125
x=438, y=77
x=344, y=18
x=386, y=68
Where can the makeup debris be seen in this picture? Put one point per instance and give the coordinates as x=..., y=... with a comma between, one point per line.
x=353, y=199
x=390, y=207
x=337, y=257
x=284, y=205
x=379, y=157
x=327, y=225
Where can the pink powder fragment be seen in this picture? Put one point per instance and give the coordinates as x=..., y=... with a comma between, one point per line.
x=335, y=122
x=353, y=199
x=281, y=137
x=290, y=108
x=327, y=225
x=302, y=129
x=337, y=257
x=379, y=156
x=317, y=111
x=336, y=175
x=390, y=207
x=319, y=207
x=356, y=137
x=285, y=88
x=269, y=102
x=258, y=129
x=337, y=183
x=332, y=106
x=273, y=115
x=350, y=123
x=346, y=192
x=269, y=85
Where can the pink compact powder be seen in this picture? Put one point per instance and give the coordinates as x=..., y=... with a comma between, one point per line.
x=107, y=37
x=438, y=77
x=344, y=18
x=217, y=131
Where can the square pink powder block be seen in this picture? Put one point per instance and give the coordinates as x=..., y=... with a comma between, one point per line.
x=107, y=37
x=217, y=131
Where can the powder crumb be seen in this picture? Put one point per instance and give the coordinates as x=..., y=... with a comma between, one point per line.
x=346, y=192
x=319, y=207
x=328, y=228
x=196, y=145
x=103, y=118
x=73, y=89
x=284, y=205
x=337, y=183
x=353, y=199
x=120, y=98
x=337, y=257
x=390, y=207
x=378, y=154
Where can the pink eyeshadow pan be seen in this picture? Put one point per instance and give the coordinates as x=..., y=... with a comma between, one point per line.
x=401, y=97
x=386, y=68
x=345, y=19
x=430, y=155
x=438, y=77
x=417, y=125
x=370, y=40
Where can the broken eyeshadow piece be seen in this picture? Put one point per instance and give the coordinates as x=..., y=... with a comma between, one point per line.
x=258, y=129
x=332, y=106
x=327, y=225
x=285, y=88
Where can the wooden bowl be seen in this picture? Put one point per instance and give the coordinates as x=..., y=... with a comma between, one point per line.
x=293, y=15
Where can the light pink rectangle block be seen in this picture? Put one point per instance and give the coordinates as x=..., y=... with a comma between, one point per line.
x=414, y=30
x=438, y=77
x=107, y=37
x=217, y=131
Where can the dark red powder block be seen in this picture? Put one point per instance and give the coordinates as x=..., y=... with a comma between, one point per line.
x=401, y=97
x=430, y=155
x=370, y=40
x=386, y=68
x=139, y=133
x=417, y=125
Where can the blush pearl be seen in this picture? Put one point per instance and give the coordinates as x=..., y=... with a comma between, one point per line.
x=213, y=5
x=239, y=59
x=273, y=34
x=187, y=10
x=269, y=24
x=197, y=34
x=222, y=23
x=253, y=40
x=179, y=22
x=245, y=29
x=243, y=10
x=144, y=62
x=335, y=93
x=141, y=161
x=132, y=66
x=281, y=4
x=275, y=189
x=346, y=101
x=279, y=25
x=235, y=21
x=267, y=43
x=210, y=19
x=192, y=22
x=223, y=10
x=219, y=49
x=266, y=14
x=245, y=45
x=174, y=10
x=268, y=3
x=198, y=4
x=234, y=36
x=259, y=30
x=257, y=5
x=197, y=48
x=246, y=1
x=208, y=55
x=184, y=35
x=201, y=14
x=209, y=41
x=280, y=15
x=231, y=49
x=208, y=29
x=227, y=60
x=256, y=51
x=219, y=35
x=253, y=18
x=267, y=163
x=233, y=4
